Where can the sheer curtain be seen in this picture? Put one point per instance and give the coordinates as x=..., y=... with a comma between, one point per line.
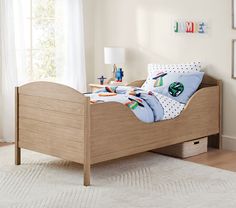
x=70, y=44
x=8, y=71
x=70, y=54
x=22, y=39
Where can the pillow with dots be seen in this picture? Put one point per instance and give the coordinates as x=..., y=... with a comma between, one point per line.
x=179, y=87
x=154, y=69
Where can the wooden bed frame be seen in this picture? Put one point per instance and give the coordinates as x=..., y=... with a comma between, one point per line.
x=57, y=120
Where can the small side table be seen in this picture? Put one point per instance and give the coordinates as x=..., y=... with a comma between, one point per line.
x=95, y=87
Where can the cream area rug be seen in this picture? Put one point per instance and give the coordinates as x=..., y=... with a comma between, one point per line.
x=147, y=180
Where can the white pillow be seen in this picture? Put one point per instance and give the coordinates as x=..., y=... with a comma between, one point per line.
x=176, y=68
x=154, y=69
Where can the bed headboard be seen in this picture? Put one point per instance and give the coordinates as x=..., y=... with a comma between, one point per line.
x=209, y=81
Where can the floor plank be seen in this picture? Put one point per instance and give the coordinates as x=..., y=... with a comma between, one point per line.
x=223, y=159
x=2, y=144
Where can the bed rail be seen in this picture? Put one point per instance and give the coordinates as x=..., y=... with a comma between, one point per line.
x=120, y=133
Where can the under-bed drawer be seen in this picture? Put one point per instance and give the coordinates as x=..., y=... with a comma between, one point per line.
x=186, y=149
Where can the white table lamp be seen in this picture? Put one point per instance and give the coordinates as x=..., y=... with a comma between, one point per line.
x=114, y=56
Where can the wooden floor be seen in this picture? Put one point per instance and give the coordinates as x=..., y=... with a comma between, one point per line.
x=223, y=159
x=216, y=158
x=4, y=144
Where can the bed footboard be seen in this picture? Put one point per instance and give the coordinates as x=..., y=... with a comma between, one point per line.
x=53, y=119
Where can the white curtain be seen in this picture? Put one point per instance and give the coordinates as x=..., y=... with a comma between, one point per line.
x=70, y=44
x=70, y=53
x=8, y=71
x=22, y=39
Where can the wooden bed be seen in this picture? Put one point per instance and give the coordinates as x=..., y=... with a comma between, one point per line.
x=57, y=120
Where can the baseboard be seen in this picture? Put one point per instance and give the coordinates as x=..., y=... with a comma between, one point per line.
x=228, y=143
x=6, y=141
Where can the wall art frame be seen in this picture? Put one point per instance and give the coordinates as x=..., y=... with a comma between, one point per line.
x=234, y=14
x=234, y=59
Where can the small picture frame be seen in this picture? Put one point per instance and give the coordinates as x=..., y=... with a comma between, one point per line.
x=234, y=14
x=234, y=59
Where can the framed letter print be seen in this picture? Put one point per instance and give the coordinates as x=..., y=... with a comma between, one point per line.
x=234, y=14
x=234, y=59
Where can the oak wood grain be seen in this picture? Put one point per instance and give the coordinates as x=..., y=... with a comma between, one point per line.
x=87, y=145
x=3, y=144
x=17, y=146
x=51, y=104
x=57, y=120
x=52, y=91
x=52, y=120
x=137, y=83
x=223, y=159
x=116, y=132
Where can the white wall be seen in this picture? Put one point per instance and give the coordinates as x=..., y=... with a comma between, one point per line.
x=144, y=28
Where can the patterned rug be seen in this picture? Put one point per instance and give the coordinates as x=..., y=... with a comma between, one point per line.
x=146, y=180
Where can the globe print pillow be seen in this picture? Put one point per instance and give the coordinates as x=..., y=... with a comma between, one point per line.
x=176, y=89
x=154, y=69
x=179, y=87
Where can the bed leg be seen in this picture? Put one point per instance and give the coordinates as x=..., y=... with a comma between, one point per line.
x=17, y=148
x=87, y=149
x=87, y=174
x=17, y=155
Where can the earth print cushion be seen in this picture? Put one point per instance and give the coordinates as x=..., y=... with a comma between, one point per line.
x=179, y=87
x=154, y=69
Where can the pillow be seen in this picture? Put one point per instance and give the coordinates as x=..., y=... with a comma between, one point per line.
x=177, y=68
x=179, y=87
x=154, y=69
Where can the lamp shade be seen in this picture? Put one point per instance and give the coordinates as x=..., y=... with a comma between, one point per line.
x=114, y=55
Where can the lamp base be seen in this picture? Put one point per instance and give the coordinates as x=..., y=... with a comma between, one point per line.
x=110, y=80
x=114, y=71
